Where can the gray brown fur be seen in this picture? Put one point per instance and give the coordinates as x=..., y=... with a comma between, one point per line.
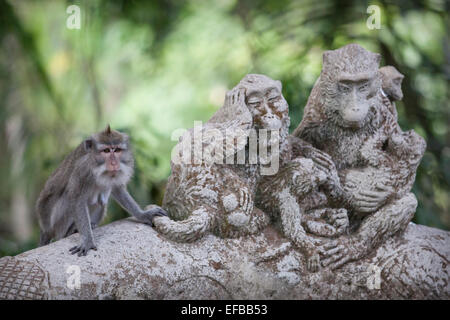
x=75, y=197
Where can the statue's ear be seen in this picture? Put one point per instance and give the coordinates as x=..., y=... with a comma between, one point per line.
x=279, y=84
x=326, y=58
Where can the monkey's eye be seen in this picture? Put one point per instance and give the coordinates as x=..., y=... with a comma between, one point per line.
x=364, y=87
x=253, y=103
x=273, y=99
x=343, y=88
x=106, y=150
x=117, y=150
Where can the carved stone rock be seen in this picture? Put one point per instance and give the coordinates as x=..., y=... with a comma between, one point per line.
x=134, y=262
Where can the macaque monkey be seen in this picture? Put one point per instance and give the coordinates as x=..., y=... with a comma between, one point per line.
x=76, y=194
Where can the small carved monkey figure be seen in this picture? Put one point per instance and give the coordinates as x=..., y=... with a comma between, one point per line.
x=391, y=84
x=292, y=198
x=75, y=196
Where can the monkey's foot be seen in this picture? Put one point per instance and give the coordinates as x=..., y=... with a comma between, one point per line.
x=338, y=218
x=83, y=248
x=338, y=252
x=313, y=263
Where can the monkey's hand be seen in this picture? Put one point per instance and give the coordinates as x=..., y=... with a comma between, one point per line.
x=321, y=159
x=150, y=213
x=338, y=218
x=235, y=99
x=83, y=248
x=338, y=252
x=320, y=228
x=367, y=201
x=313, y=262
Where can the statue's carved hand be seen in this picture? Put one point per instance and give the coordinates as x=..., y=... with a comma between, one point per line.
x=367, y=201
x=313, y=262
x=322, y=160
x=320, y=228
x=235, y=99
x=336, y=253
x=338, y=218
x=246, y=201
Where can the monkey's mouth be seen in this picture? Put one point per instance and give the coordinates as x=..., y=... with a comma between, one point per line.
x=113, y=173
x=354, y=124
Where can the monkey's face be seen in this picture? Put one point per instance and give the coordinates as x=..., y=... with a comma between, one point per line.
x=267, y=106
x=112, y=158
x=109, y=156
x=353, y=100
x=394, y=89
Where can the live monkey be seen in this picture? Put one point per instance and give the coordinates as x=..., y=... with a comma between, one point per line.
x=75, y=197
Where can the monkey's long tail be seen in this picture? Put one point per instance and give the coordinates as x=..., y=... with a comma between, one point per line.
x=188, y=230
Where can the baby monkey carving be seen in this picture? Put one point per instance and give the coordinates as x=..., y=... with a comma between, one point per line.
x=76, y=195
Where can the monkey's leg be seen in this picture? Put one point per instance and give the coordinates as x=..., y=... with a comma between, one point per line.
x=44, y=239
x=374, y=230
x=259, y=221
x=387, y=221
x=291, y=220
x=97, y=215
x=190, y=229
x=121, y=195
x=83, y=225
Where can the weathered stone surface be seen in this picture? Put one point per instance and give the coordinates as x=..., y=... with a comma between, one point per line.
x=134, y=262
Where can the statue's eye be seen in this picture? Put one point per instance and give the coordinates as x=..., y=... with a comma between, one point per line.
x=364, y=87
x=273, y=98
x=344, y=88
x=253, y=103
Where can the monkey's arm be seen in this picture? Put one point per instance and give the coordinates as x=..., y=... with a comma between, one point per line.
x=83, y=224
x=126, y=201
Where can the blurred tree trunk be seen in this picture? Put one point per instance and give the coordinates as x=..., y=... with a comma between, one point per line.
x=20, y=211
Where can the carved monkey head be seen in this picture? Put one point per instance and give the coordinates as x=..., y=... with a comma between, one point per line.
x=349, y=82
x=392, y=82
x=265, y=102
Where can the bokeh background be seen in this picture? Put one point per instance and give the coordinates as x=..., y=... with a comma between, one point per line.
x=150, y=67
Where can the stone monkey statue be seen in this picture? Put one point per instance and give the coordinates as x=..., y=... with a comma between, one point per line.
x=344, y=110
x=75, y=197
x=218, y=196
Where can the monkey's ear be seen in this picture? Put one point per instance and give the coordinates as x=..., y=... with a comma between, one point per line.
x=279, y=84
x=326, y=58
x=108, y=129
x=88, y=144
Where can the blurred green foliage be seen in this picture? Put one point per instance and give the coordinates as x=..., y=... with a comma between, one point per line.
x=148, y=68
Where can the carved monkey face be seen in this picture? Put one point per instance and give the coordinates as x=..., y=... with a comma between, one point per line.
x=267, y=106
x=393, y=88
x=392, y=82
x=353, y=99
